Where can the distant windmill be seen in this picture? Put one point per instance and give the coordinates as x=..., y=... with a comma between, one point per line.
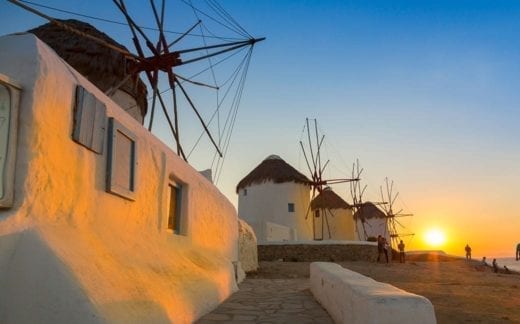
x=356, y=192
x=325, y=200
x=366, y=212
x=389, y=197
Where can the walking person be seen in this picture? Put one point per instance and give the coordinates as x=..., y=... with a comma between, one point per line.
x=495, y=265
x=518, y=252
x=386, y=247
x=401, y=251
x=379, y=247
x=468, y=252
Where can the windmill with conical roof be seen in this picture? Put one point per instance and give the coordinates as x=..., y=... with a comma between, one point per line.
x=311, y=147
x=334, y=215
x=273, y=198
x=370, y=220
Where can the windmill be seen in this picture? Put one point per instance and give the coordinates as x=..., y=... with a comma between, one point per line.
x=392, y=224
x=322, y=198
x=160, y=62
x=356, y=192
x=363, y=211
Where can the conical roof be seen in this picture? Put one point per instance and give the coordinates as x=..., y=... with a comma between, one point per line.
x=274, y=169
x=328, y=199
x=369, y=210
x=102, y=66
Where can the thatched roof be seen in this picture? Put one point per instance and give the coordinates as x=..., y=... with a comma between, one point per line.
x=102, y=66
x=274, y=169
x=369, y=210
x=328, y=199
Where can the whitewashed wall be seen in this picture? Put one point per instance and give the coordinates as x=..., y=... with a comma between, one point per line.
x=342, y=226
x=268, y=202
x=128, y=103
x=110, y=259
x=374, y=227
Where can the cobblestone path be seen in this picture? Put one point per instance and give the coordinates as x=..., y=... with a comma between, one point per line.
x=270, y=301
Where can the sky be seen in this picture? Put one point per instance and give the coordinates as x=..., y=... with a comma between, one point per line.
x=422, y=92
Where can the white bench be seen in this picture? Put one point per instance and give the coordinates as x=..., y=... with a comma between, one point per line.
x=350, y=297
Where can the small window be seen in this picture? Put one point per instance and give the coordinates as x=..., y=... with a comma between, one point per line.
x=121, y=165
x=9, y=100
x=174, y=210
x=245, y=192
x=89, y=121
x=290, y=207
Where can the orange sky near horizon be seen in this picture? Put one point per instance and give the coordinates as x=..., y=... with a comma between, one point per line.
x=463, y=224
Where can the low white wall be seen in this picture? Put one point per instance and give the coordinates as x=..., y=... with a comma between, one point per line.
x=247, y=248
x=276, y=232
x=350, y=297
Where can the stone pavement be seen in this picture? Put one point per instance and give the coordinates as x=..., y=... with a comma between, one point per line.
x=270, y=301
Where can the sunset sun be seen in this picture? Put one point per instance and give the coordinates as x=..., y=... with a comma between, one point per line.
x=435, y=237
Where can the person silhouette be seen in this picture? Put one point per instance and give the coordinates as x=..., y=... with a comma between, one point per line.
x=518, y=252
x=468, y=252
x=495, y=265
x=401, y=251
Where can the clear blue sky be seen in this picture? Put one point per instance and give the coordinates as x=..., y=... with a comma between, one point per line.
x=424, y=92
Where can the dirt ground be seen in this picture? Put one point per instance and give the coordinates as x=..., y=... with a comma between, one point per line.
x=460, y=291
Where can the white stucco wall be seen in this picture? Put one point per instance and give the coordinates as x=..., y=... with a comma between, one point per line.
x=128, y=104
x=247, y=248
x=268, y=202
x=342, y=226
x=115, y=258
x=374, y=227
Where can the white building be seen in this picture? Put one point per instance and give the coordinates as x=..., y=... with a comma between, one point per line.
x=274, y=199
x=371, y=222
x=99, y=220
x=333, y=219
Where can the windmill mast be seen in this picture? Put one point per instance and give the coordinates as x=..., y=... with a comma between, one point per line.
x=392, y=224
x=312, y=151
x=356, y=192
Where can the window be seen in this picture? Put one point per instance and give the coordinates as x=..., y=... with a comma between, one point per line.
x=245, y=192
x=121, y=165
x=174, y=210
x=89, y=121
x=9, y=99
x=290, y=207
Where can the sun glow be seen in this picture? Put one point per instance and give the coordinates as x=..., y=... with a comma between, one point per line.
x=435, y=237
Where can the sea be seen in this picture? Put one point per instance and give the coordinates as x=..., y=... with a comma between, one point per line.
x=510, y=263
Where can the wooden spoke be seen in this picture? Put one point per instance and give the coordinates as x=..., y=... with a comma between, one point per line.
x=200, y=118
x=184, y=35
x=154, y=99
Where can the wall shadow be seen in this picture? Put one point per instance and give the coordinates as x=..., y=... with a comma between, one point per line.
x=36, y=287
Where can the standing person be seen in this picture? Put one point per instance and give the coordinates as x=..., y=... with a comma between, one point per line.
x=468, y=252
x=495, y=265
x=379, y=247
x=518, y=252
x=401, y=251
x=386, y=247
